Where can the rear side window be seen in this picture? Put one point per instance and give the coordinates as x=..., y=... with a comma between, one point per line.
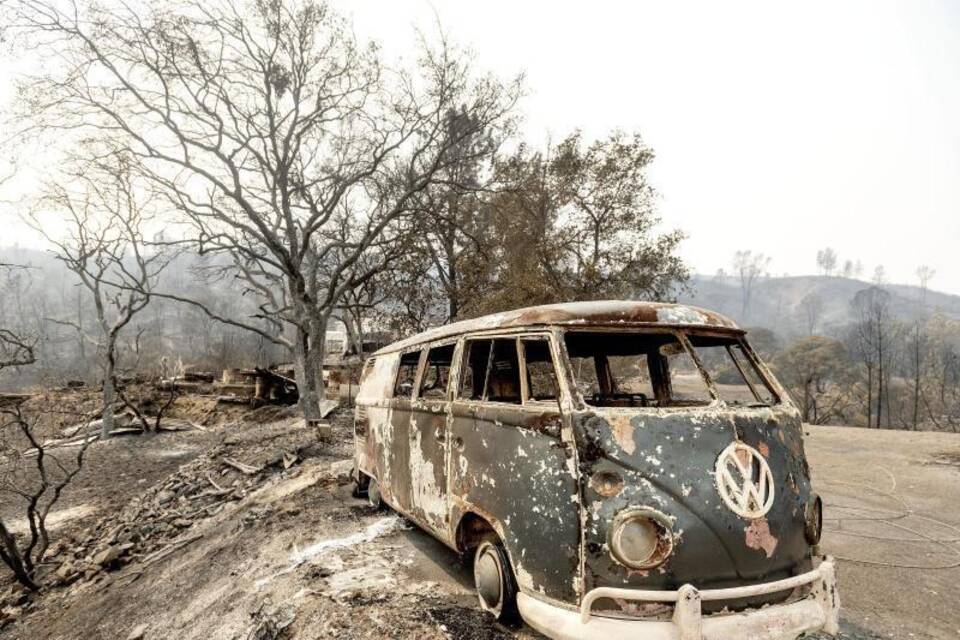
x=406, y=375
x=437, y=373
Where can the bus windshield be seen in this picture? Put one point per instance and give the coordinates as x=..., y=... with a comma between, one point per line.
x=655, y=369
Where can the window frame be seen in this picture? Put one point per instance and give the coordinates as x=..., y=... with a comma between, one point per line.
x=563, y=396
x=486, y=378
x=462, y=364
x=737, y=338
x=525, y=398
x=422, y=368
x=416, y=374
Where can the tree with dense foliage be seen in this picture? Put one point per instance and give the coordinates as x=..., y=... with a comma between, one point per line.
x=578, y=222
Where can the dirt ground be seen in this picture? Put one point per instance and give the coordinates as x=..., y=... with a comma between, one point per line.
x=288, y=553
x=892, y=518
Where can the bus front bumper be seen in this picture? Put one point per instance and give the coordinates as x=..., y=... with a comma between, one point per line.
x=819, y=611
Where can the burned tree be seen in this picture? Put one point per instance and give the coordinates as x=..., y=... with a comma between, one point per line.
x=749, y=267
x=30, y=471
x=16, y=349
x=104, y=246
x=455, y=223
x=872, y=337
x=37, y=475
x=276, y=136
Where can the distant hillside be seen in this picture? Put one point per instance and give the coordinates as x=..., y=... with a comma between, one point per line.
x=776, y=302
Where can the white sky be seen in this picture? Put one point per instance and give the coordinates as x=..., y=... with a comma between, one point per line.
x=778, y=127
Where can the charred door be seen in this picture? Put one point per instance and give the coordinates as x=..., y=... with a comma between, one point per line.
x=508, y=462
x=428, y=441
x=395, y=467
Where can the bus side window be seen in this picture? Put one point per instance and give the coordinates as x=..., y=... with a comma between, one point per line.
x=406, y=375
x=476, y=356
x=503, y=381
x=437, y=373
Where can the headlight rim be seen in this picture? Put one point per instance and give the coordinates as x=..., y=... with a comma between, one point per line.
x=664, y=526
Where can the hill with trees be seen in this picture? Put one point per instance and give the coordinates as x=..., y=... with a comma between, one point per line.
x=795, y=306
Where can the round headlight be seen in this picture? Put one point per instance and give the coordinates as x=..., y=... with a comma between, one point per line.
x=640, y=538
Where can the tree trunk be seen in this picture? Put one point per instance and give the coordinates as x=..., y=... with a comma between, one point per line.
x=109, y=390
x=880, y=389
x=10, y=555
x=308, y=355
x=916, y=379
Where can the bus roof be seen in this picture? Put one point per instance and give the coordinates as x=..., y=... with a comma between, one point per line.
x=592, y=313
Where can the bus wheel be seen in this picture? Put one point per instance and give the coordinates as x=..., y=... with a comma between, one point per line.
x=494, y=581
x=373, y=495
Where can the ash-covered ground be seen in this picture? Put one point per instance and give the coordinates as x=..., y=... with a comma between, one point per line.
x=246, y=529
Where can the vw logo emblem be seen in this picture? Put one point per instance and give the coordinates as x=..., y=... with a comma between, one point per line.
x=744, y=481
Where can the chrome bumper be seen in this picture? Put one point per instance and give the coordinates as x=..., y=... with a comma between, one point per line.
x=819, y=611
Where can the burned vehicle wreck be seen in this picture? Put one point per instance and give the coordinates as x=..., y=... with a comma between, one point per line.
x=614, y=470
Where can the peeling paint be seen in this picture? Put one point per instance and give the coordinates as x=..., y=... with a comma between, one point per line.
x=550, y=482
x=623, y=432
x=758, y=536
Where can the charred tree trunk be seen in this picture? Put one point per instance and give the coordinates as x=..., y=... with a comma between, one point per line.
x=879, y=377
x=10, y=555
x=306, y=366
x=108, y=369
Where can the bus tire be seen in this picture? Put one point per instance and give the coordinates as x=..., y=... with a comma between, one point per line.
x=494, y=581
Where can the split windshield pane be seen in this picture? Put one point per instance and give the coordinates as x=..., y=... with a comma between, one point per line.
x=653, y=369
x=737, y=380
x=634, y=369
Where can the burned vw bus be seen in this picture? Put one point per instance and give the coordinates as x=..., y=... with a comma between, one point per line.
x=613, y=470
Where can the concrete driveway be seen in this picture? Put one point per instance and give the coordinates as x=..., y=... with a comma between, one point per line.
x=892, y=518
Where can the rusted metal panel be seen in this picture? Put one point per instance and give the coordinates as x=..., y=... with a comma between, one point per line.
x=667, y=460
x=428, y=465
x=504, y=465
x=620, y=313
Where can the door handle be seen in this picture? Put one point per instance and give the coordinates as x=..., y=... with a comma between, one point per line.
x=440, y=434
x=458, y=443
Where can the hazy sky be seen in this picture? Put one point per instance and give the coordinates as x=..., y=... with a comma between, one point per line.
x=778, y=127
